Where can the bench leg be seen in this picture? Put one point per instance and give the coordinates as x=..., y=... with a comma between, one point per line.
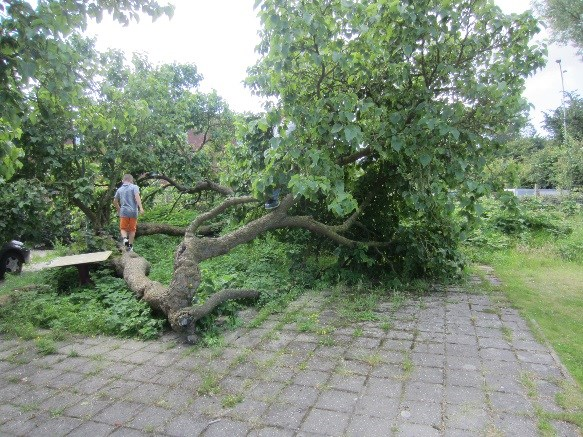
x=83, y=270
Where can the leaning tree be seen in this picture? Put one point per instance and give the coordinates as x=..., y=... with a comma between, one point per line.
x=379, y=111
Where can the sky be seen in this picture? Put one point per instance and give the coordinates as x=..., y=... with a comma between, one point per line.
x=220, y=37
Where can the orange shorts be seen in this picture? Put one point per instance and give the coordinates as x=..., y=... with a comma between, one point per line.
x=128, y=224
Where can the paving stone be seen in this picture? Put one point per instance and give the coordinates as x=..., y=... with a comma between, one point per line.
x=387, y=371
x=531, y=346
x=466, y=417
x=428, y=360
x=353, y=367
x=384, y=386
x=249, y=410
x=497, y=343
x=511, y=403
x=115, y=369
x=489, y=332
x=144, y=373
x=424, y=413
x=505, y=383
x=234, y=384
x=300, y=395
x=494, y=354
x=21, y=426
x=150, y=418
x=278, y=374
x=285, y=415
x=147, y=393
x=427, y=374
x=227, y=427
x=87, y=408
x=59, y=402
x=423, y=391
x=91, y=428
x=320, y=363
x=119, y=413
x=186, y=425
x=92, y=384
x=461, y=350
x=352, y=383
x=536, y=357
x=426, y=347
x=466, y=378
x=405, y=429
x=544, y=371
x=337, y=400
x=367, y=426
x=311, y=378
x=565, y=429
x=460, y=338
x=397, y=345
x=270, y=431
x=366, y=343
x=325, y=422
x=266, y=390
x=463, y=363
x=516, y=425
x=459, y=395
x=172, y=377
x=176, y=399
x=55, y=426
x=377, y=406
x=119, y=388
x=32, y=395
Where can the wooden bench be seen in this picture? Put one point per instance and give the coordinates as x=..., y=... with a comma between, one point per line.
x=81, y=262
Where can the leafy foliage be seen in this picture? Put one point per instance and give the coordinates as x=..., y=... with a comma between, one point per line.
x=36, y=50
x=28, y=214
x=564, y=18
x=108, y=308
x=534, y=222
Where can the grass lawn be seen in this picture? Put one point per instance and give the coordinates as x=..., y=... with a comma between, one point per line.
x=550, y=292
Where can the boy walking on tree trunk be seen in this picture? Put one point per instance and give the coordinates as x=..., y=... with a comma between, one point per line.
x=127, y=202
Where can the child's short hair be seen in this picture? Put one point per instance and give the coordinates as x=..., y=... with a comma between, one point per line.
x=128, y=178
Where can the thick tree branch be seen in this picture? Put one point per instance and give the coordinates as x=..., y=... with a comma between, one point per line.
x=177, y=231
x=199, y=187
x=193, y=228
x=196, y=312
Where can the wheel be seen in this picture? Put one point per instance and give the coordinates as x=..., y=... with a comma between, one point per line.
x=12, y=263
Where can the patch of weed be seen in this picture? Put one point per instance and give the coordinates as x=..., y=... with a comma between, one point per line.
x=45, y=346
x=209, y=385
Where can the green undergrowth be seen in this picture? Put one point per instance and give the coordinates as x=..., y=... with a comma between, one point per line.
x=51, y=304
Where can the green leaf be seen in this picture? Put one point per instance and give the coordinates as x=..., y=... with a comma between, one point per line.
x=425, y=160
x=352, y=132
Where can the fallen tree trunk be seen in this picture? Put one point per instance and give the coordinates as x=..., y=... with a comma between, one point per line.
x=175, y=301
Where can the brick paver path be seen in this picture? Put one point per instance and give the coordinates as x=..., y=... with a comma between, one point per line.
x=450, y=363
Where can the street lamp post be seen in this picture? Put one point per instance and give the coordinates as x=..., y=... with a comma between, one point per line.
x=558, y=61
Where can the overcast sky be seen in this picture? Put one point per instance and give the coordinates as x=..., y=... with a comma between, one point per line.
x=220, y=36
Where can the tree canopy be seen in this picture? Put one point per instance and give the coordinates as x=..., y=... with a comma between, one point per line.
x=402, y=100
x=565, y=18
x=36, y=51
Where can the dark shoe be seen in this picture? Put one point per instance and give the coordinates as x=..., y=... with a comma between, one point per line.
x=130, y=248
x=272, y=204
x=126, y=242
